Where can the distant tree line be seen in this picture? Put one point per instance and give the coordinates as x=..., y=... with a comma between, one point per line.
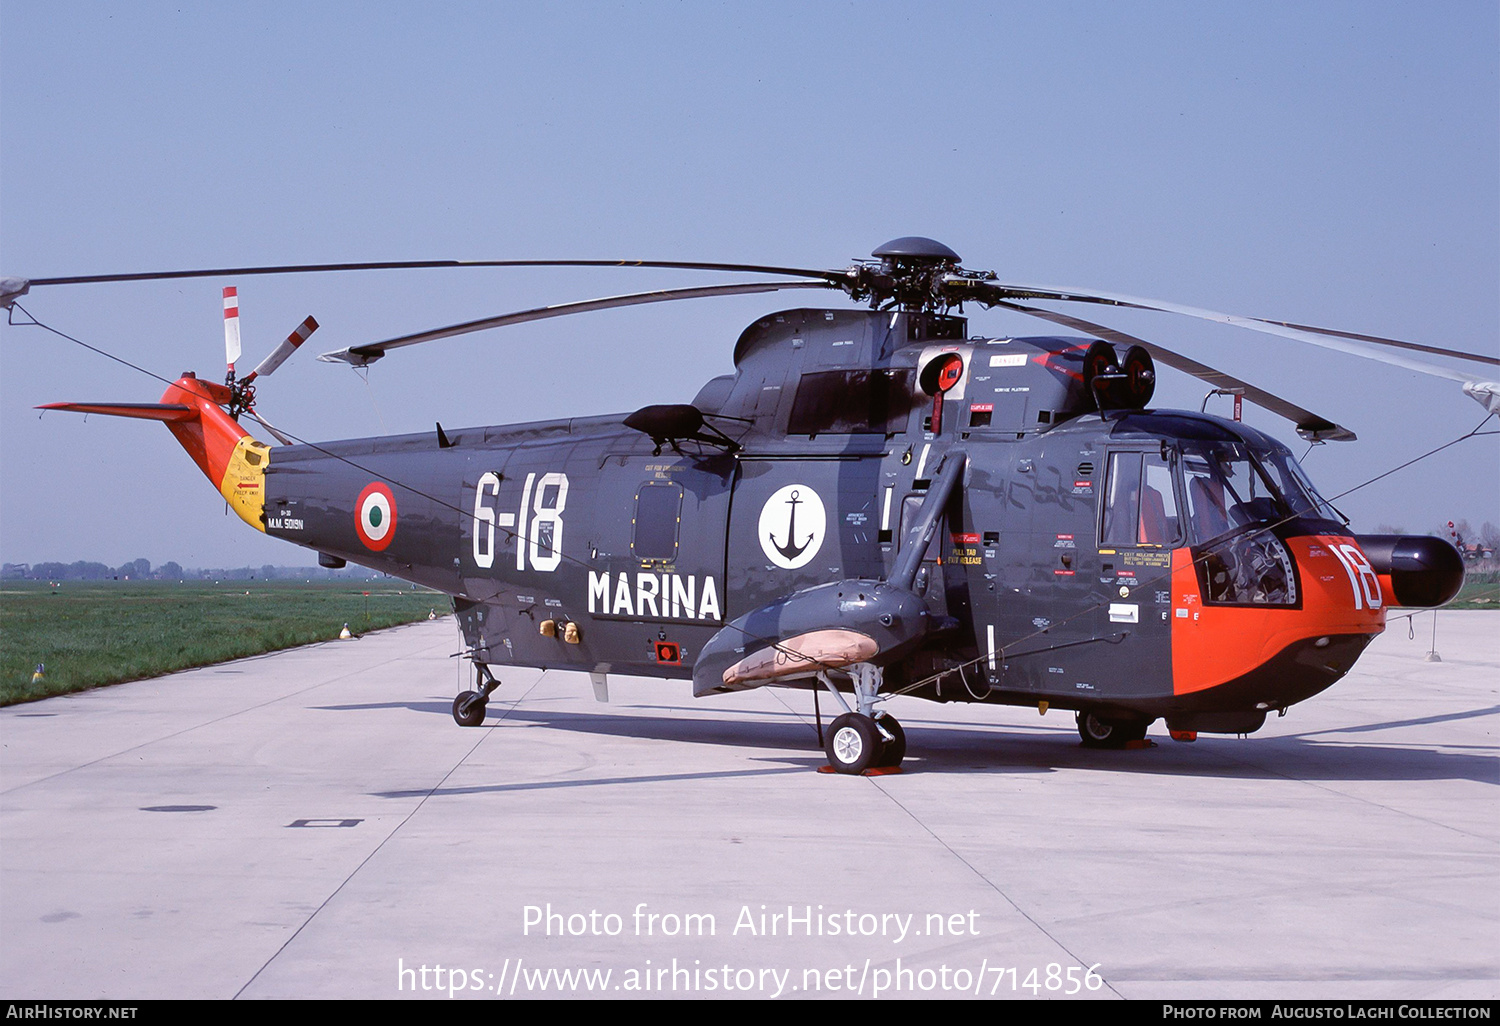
x=141, y=570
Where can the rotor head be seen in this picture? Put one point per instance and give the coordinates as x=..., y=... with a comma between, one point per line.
x=912, y=275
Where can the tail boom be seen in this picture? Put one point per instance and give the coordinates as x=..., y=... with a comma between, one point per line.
x=227, y=454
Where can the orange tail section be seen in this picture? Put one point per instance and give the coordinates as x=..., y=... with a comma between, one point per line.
x=235, y=462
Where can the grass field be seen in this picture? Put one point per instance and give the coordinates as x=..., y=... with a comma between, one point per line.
x=93, y=633
x=1481, y=591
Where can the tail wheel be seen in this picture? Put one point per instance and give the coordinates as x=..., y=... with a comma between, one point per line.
x=468, y=709
x=854, y=744
x=1101, y=732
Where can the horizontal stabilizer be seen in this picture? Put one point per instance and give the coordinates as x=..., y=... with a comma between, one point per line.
x=225, y=452
x=140, y=411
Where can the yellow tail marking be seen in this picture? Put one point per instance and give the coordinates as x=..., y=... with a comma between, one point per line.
x=244, y=483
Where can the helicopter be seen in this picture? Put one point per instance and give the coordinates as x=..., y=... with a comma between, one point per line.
x=874, y=503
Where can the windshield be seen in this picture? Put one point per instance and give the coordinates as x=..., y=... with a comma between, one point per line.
x=1294, y=485
x=1229, y=485
x=1226, y=489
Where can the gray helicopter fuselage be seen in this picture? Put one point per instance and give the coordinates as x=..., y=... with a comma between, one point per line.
x=583, y=544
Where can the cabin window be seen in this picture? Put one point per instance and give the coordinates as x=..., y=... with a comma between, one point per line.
x=1140, y=505
x=873, y=402
x=658, y=515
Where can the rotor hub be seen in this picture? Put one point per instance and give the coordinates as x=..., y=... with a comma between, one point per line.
x=910, y=276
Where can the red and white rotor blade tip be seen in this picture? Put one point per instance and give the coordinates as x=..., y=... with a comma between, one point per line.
x=287, y=348
x=231, y=325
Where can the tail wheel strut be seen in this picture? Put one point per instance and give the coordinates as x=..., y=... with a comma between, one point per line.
x=469, y=707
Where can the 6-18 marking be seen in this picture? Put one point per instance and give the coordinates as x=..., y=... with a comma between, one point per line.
x=537, y=524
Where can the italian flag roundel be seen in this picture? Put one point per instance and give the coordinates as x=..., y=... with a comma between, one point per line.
x=375, y=516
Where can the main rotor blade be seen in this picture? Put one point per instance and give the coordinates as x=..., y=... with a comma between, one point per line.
x=1377, y=340
x=1309, y=425
x=21, y=284
x=360, y=356
x=1324, y=337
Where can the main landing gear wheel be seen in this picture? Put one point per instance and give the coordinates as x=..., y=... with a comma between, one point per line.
x=854, y=744
x=468, y=709
x=1100, y=732
x=894, y=749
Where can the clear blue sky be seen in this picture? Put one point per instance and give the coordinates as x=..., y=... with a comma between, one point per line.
x=1330, y=163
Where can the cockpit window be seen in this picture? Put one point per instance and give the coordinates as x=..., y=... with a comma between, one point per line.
x=1233, y=496
x=1298, y=491
x=1230, y=485
x=1228, y=488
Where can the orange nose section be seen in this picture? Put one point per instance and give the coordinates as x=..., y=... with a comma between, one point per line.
x=1216, y=643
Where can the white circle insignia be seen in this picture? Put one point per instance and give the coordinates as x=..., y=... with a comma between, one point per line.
x=376, y=516
x=792, y=525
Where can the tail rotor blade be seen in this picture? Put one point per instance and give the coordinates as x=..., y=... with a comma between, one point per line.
x=231, y=326
x=283, y=439
x=288, y=346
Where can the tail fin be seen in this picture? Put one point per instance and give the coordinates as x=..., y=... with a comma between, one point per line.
x=226, y=453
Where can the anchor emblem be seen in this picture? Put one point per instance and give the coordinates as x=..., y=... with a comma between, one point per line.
x=791, y=550
x=792, y=525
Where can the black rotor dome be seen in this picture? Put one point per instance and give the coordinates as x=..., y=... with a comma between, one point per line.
x=915, y=248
